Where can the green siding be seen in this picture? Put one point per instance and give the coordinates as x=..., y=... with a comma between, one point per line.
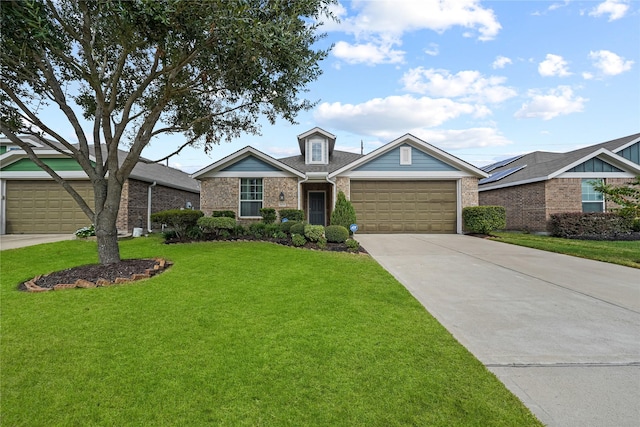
x=420, y=161
x=3, y=149
x=595, y=165
x=631, y=153
x=27, y=165
x=250, y=164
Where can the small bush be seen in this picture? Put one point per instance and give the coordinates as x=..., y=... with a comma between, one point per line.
x=484, y=219
x=194, y=232
x=240, y=230
x=285, y=227
x=298, y=240
x=257, y=229
x=352, y=245
x=322, y=243
x=268, y=215
x=298, y=228
x=291, y=214
x=223, y=214
x=313, y=232
x=597, y=225
x=270, y=230
x=86, y=231
x=180, y=220
x=336, y=234
x=343, y=214
x=216, y=224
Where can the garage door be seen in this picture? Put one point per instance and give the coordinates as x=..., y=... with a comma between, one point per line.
x=34, y=207
x=405, y=206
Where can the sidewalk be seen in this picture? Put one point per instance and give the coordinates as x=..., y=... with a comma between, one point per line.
x=13, y=241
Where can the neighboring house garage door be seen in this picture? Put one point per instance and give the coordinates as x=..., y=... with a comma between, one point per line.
x=34, y=207
x=405, y=206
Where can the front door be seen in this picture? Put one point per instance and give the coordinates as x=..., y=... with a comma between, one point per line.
x=317, y=207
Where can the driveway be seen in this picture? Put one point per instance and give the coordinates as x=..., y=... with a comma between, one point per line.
x=562, y=333
x=13, y=241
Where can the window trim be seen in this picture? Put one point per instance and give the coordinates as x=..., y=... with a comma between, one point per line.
x=241, y=200
x=323, y=151
x=405, y=156
x=592, y=202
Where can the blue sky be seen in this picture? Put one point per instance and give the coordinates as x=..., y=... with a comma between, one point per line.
x=483, y=80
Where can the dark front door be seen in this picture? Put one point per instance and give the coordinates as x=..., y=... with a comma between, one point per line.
x=316, y=207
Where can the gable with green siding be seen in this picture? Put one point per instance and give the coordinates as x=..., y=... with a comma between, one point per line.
x=57, y=164
x=595, y=165
x=250, y=164
x=420, y=161
x=631, y=153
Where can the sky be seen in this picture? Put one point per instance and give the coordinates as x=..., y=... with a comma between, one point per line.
x=482, y=80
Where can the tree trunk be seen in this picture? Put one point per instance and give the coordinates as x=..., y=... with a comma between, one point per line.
x=107, y=198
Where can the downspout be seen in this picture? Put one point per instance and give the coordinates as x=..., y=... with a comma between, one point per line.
x=333, y=193
x=149, y=206
x=306, y=178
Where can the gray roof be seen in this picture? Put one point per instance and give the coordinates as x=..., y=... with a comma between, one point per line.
x=541, y=164
x=337, y=160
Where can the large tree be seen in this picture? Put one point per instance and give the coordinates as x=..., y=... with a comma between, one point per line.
x=138, y=69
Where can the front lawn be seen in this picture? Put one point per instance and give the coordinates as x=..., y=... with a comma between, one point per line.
x=234, y=334
x=616, y=252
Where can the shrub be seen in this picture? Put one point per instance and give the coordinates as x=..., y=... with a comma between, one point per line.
x=336, y=234
x=285, y=227
x=279, y=235
x=216, y=224
x=352, y=245
x=484, y=219
x=298, y=240
x=257, y=229
x=86, y=231
x=180, y=220
x=240, y=230
x=224, y=214
x=298, y=228
x=291, y=214
x=313, y=232
x=322, y=243
x=590, y=224
x=343, y=214
x=268, y=215
x=194, y=232
x=270, y=230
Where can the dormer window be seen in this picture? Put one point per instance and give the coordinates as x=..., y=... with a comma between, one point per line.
x=317, y=151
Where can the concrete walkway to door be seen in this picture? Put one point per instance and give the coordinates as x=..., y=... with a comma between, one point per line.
x=562, y=333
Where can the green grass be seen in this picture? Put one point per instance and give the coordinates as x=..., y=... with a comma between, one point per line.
x=616, y=252
x=234, y=334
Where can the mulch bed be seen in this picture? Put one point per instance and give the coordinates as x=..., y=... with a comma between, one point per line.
x=332, y=247
x=96, y=275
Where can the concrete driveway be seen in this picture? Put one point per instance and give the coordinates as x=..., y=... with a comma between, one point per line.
x=13, y=241
x=562, y=333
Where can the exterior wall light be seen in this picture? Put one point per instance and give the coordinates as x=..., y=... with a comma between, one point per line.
x=282, y=196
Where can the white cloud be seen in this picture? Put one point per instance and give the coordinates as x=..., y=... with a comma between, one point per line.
x=378, y=26
x=609, y=63
x=367, y=53
x=500, y=62
x=470, y=86
x=432, y=50
x=454, y=139
x=393, y=115
x=553, y=65
x=556, y=102
x=616, y=9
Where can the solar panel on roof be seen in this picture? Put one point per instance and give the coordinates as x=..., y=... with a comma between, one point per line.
x=502, y=174
x=500, y=164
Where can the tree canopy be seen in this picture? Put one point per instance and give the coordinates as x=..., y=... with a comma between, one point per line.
x=138, y=69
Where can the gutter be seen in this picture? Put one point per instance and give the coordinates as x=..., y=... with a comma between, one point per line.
x=149, y=206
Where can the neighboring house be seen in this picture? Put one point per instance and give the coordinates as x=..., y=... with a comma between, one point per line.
x=533, y=186
x=32, y=202
x=405, y=186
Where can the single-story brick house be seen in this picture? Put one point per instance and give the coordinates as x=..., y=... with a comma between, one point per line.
x=405, y=186
x=32, y=203
x=533, y=186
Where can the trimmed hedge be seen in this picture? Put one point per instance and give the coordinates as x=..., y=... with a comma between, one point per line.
x=268, y=215
x=216, y=224
x=297, y=228
x=225, y=214
x=291, y=214
x=180, y=220
x=484, y=219
x=313, y=233
x=597, y=225
x=336, y=234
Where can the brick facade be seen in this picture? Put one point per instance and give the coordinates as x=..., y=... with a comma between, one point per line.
x=469, y=190
x=133, y=203
x=529, y=206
